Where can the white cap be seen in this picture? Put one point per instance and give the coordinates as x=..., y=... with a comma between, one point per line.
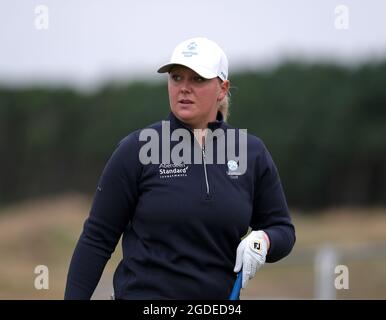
x=202, y=56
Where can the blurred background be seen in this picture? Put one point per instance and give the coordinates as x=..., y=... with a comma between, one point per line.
x=309, y=78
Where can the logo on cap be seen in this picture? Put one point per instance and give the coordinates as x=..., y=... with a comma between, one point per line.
x=191, y=46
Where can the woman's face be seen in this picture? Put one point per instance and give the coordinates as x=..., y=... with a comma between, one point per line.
x=194, y=99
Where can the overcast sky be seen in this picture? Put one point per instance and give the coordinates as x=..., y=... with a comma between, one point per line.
x=88, y=42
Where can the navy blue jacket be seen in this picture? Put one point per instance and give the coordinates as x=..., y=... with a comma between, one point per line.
x=180, y=224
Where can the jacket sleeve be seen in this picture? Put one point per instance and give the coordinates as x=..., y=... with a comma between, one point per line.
x=270, y=210
x=112, y=209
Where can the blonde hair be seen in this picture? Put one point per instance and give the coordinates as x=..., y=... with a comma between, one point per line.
x=223, y=106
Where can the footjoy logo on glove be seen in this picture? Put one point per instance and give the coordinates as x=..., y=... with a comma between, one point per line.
x=256, y=246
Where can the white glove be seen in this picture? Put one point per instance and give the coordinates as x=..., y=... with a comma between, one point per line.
x=251, y=254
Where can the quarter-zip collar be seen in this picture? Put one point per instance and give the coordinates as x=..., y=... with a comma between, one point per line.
x=176, y=123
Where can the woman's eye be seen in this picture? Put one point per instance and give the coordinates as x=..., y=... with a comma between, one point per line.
x=176, y=77
x=199, y=79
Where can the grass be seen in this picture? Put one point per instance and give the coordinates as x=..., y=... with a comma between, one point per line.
x=45, y=231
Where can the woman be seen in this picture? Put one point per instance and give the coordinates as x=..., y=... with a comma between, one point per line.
x=182, y=221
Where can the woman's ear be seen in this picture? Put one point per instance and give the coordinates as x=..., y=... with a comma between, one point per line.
x=224, y=85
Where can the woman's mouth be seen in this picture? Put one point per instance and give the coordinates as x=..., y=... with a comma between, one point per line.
x=185, y=101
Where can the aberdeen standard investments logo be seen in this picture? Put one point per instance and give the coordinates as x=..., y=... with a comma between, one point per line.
x=231, y=149
x=171, y=170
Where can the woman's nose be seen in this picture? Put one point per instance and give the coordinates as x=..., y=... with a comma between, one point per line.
x=185, y=87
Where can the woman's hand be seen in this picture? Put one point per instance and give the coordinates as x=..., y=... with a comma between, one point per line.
x=251, y=254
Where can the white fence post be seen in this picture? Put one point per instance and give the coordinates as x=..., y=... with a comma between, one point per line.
x=325, y=262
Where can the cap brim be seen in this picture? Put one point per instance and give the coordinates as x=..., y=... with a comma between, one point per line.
x=201, y=71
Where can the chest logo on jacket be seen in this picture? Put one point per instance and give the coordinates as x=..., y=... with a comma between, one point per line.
x=233, y=171
x=171, y=170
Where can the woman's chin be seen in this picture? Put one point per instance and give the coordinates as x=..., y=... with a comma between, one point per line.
x=184, y=115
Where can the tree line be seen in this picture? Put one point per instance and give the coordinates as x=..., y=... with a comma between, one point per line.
x=324, y=125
